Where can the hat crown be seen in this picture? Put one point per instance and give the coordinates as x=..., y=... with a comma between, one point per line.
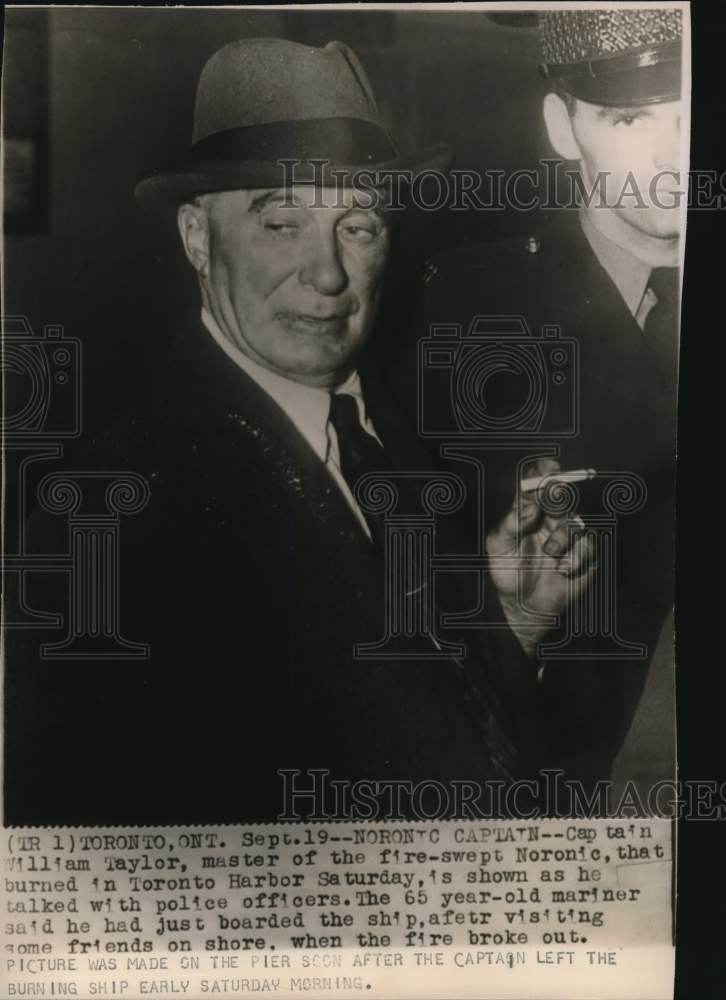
x=258, y=81
x=575, y=36
x=264, y=103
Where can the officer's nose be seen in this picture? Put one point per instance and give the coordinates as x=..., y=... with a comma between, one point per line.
x=322, y=268
x=668, y=151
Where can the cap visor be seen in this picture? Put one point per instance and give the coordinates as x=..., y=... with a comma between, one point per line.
x=651, y=85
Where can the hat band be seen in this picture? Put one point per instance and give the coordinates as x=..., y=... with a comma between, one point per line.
x=344, y=141
x=667, y=52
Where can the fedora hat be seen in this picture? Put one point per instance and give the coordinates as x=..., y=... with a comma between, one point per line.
x=261, y=101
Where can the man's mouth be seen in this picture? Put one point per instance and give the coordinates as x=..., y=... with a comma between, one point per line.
x=329, y=323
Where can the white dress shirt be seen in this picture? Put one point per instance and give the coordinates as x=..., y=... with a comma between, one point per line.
x=308, y=407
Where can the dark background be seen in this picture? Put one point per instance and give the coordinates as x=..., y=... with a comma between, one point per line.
x=119, y=88
x=700, y=689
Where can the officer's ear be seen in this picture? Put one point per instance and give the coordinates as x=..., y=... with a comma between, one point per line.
x=559, y=127
x=193, y=222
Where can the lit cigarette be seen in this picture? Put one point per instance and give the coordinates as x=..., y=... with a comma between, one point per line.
x=576, y=476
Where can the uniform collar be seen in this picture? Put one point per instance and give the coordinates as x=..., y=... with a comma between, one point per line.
x=629, y=273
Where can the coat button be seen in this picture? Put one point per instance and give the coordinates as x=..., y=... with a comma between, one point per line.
x=533, y=245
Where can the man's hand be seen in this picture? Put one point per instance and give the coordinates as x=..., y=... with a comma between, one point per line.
x=556, y=574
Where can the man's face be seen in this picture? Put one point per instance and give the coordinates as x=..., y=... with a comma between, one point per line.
x=293, y=281
x=638, y=151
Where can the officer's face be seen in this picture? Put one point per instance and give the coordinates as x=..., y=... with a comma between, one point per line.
x=637, y=152
x=293, y=281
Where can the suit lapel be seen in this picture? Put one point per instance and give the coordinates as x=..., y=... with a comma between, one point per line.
x=226, y=406
x=222, y=404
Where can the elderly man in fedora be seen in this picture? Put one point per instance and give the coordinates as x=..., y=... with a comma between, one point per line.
x=260, y=571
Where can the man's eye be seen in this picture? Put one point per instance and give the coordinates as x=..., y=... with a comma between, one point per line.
x=283, y=228
x=626, y=120
x=360, y=234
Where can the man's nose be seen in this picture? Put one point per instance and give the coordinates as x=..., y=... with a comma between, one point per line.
x=322, y=268
x=668, y=151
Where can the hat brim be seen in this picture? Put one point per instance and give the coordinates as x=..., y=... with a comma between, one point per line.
x=651, y=75
x=163, y=192
x=631, y=89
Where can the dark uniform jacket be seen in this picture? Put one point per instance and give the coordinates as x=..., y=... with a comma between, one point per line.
x=623, y=413
x=251, y=579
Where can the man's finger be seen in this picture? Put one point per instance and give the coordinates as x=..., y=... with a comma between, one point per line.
x=530, y=515
x=580, y=558
x=560, y=538
x=524, y=518
x=546, y=466
x=542, y=467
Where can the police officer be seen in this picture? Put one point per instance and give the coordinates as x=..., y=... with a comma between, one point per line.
x=605, y=273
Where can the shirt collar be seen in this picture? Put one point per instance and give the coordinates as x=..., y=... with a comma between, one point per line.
x=308, y=407
x=352, y=387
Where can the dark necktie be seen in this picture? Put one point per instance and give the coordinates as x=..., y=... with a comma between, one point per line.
x=360, y=452
x=661, y=323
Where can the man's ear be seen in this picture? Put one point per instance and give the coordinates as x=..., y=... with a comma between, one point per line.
x=193, y=223
x=559, y=127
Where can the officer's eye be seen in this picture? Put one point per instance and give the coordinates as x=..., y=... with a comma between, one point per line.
x=626, y=118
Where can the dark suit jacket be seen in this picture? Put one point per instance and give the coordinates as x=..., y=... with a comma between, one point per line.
x=252, y=580
x=626, y=422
